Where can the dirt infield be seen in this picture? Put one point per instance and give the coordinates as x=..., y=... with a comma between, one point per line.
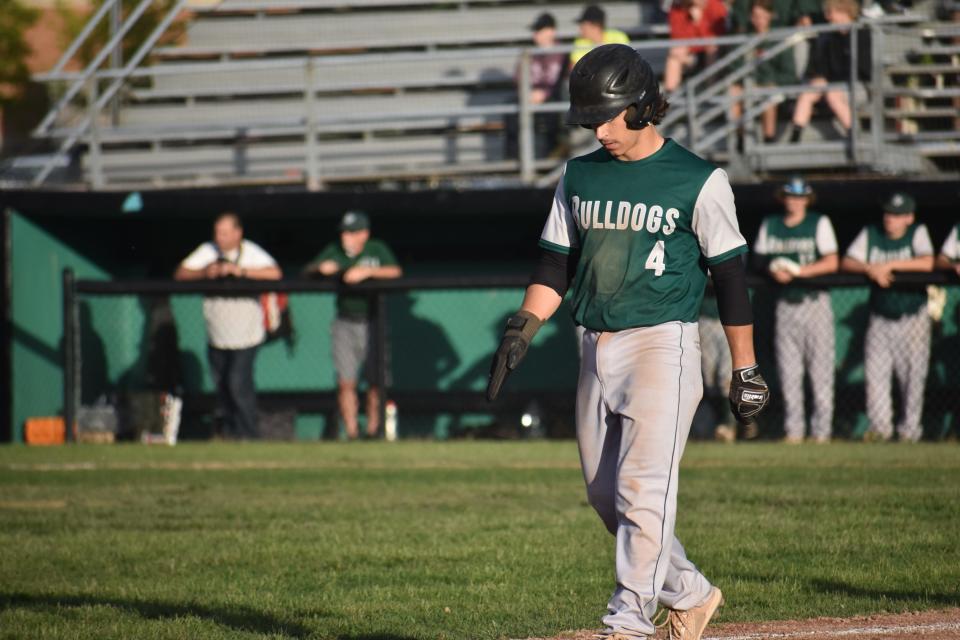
x=929, y=625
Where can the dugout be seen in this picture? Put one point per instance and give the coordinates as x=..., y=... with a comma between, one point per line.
x=448, y=335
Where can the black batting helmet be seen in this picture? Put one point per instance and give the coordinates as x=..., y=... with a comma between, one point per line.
x=609, y=79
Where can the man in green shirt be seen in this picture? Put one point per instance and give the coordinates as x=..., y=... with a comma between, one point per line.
x=356, y=258
x=633, y=230
x=898, y=333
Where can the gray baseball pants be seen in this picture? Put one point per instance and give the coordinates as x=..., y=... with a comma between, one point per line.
x=805, y=343
x=900, y=346
x=637, y=394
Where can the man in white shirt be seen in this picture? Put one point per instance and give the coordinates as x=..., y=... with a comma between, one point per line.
x=234, y=323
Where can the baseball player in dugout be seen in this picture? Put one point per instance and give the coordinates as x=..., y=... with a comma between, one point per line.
x=633, y=229
x=355, y=258
x=949, y=258
x=898, y=331
x=791, y=246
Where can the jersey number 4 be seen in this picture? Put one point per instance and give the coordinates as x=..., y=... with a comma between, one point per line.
x=655, y=259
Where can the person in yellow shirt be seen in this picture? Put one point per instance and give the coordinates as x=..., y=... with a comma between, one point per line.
x=593, y=33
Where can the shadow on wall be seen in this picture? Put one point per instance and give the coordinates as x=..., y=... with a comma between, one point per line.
x=422, y=355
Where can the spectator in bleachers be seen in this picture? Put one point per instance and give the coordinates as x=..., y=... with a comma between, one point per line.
x=355, y=258
x=792, y=245
x=692, y=19
x=235, y=325
x=778, y=70
x=801, y=13
x=830, y=62
x=594, y=32
x=949, y=258
x=546, y=70
x=898, y=332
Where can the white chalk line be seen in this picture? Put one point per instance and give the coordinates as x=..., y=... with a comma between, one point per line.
x=839, y=633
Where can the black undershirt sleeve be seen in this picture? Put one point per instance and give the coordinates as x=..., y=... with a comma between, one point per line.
x=733, y=299
x=554, y=270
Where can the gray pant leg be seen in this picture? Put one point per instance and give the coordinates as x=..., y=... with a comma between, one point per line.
x=684, y=585
x=650, y=378
x=821, y=354
x=789, y=349
x=878, y=366
x=598, y=435
x=914, y=352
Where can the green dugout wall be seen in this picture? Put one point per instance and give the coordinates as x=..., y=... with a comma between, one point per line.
x=443, y=339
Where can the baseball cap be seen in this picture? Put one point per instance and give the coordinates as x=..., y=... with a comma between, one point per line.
x=544, y=20
x=354, y=221
x=899, y=202
x=797, y=186
x=593, y=13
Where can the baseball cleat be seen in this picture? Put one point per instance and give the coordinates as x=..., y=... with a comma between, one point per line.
x=689, y=624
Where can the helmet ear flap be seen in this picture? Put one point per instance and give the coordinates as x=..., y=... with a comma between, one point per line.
x=635, y=119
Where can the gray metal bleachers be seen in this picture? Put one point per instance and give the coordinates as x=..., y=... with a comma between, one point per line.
x=338, y=160
x=398, y=71
x=219, y=36
x=358, y=109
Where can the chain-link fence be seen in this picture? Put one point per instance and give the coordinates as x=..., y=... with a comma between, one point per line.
x=132, y=346
x=136, y=343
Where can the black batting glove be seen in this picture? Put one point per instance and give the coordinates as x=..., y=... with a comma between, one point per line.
x=749, y=394
x=520, y=329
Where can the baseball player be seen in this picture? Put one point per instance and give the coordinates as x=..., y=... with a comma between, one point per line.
x=632, y=230
x=949, y=258
x=801, y=244
x=898, y=333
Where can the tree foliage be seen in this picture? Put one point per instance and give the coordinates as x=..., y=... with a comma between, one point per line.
x=15, y=19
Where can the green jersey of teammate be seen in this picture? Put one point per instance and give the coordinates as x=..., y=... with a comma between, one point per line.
x=873, y=246
x=375, y=253
x=804, y=243
x=646, y=231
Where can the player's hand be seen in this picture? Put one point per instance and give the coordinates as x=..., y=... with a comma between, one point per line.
x=353, y=275
x=881, y=274
x=782, y=276
x=749, y=394
x=230, y=269
x=214, y=270
x=956, y=269
x=328, y=268
x=520, y=329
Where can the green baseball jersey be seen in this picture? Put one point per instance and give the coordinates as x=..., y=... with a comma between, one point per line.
x=951, y=246
x=645, y=232
x=872, y=246
x=375, y=253
x=804, y=243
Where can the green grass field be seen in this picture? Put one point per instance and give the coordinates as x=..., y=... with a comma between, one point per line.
x=447, y=540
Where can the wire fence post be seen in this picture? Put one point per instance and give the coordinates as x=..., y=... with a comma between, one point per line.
x=383, y=356
x=309, y=95
x=854, y=120
x=71, y=360
x=526, y=120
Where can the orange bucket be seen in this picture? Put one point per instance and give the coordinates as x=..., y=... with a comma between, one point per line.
x=44, y=431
